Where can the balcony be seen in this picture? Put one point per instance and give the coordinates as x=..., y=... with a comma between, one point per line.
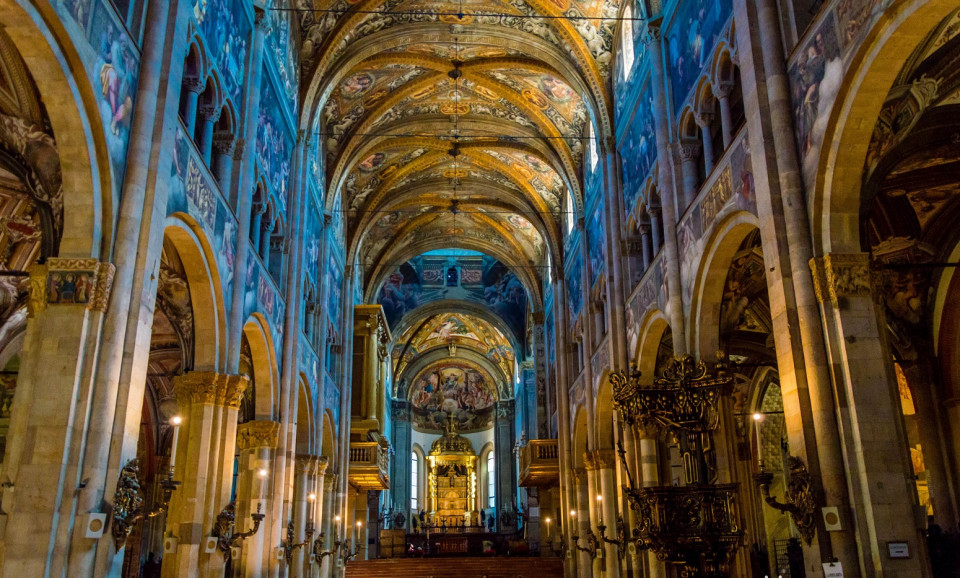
x=539, y=464
x=369, y=464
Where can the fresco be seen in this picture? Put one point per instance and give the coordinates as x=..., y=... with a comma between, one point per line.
x=274, y=142
x=311, y=241
x=190, y=191
x=732, y=190
x=284, y=50
x=452, y=388
x=334, y=293
x=597, y=246
x=479, y=279
x=309, y=365
x=112, y=61
x=599, y=365
x=226, y=28
x=638, y=150
x=817, y=70
x=691, y=37
x=331, y=402
x=575, y=286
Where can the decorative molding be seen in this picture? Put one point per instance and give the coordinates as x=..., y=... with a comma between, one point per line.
x=258, y=434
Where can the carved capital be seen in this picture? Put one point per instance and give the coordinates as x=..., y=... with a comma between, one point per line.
x=224, y=143
x=193, y=84
x=322, y=463
x=841, y=275
x=688, y=150
x=233, y=388
x=195, y=387
x=305, y=464
x=633, y=245
x=210, y=112
x=258, y=434
x=599, y=460
x=651, y=34
x=703, y=119
x=261, y=22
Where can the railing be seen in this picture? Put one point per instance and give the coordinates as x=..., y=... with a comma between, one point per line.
x=540, y=463
x=369, y=466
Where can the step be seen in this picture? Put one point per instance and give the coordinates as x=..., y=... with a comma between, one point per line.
x=472, y=567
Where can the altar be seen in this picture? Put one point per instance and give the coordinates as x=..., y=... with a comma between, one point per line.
x=452, y=480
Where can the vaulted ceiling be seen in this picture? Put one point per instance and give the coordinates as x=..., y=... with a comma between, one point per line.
x=456, y=124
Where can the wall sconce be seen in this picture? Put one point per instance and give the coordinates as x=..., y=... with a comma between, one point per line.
x=224, y=530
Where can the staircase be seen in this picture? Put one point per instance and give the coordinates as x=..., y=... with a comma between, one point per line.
x=474, y=567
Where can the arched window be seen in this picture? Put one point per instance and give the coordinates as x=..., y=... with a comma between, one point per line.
x=592, y=147
x=414, y=481
x=491, y=481
x=626, y=42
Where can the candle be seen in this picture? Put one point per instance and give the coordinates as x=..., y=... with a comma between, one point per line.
x=356, y=534
x=337, y=519
x=312, y=498
x=175, y=422
x=600, y=509
x=757, y=417
x=263, y=480
x=548, y=528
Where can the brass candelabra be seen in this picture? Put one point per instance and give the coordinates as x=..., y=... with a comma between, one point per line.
x=290, y=544
x=225, y=529
x=128, y=501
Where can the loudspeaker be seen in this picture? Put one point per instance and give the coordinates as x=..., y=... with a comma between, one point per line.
x=96, y=523
x=831, y=519
x=170, y=544
x=210, y=544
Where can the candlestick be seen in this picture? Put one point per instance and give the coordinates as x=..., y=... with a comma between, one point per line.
x=600, y=509
x=337, y=519
x=311, y=497
x=356, y=534
x=175, y=422
x=548, y=528
x=757, y=417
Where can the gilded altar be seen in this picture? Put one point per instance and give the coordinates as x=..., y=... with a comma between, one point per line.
x=452, y=480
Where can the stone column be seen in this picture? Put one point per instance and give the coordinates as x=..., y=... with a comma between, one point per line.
x=257, y=442
x=504, y=438
x=400, y=465
x=876, y=460
x=649, y=477
x=193, y=88
x=645, y=244
x=703, y=120
x=328, y=525
x=688, y=151
x=223, y=148
x=583, y=496
x=567, y=500
x=665, y=182
x=59, y=349
x=208, y=403
x=603, y=485
x=210, y=114
x=722, y=92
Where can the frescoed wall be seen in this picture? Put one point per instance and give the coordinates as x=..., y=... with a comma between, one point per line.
x=638, y=149
x=274, y=142
x=334, y=293
x=452, y=388
x=191, y=192
x=331, y=402
x=283, y=52
x=112, y=60
x=690, y=38
x=816, y=72
x=226, y=26
x=313, y=229
x=597, y=247
x=476, y=278
x=575, y=286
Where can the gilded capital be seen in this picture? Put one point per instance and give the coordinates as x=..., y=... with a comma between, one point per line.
x=196, y=387
x=258, y=434
x=305, y=464
x=599, y=459
x=234, y=387
x=322, y=463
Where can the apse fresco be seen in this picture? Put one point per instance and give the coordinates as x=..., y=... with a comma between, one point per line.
x=575, y=286
x=474, y=278
x=191, y=192
x=690, y=39
x=597, y=246
x=226, y=27
x=284, y=50
x=456, y=389
x=274, y=142
x=638, y=150
x=112, y=61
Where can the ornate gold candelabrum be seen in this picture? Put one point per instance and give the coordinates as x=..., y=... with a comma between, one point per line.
x=801, y=496
x=621, y=539
x=593, y=543
x=225, y=529
x=695, y=526
x=128, y=501
x=290, y=545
